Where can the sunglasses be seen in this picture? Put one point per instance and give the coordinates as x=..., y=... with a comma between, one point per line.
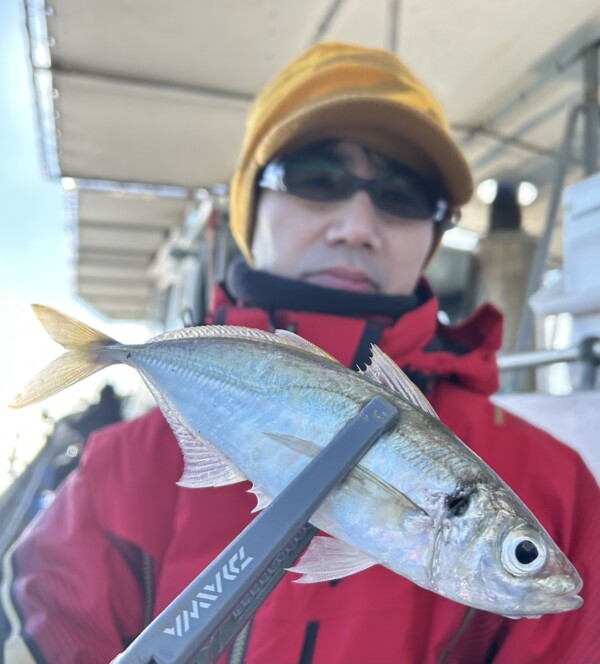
x=400, y=192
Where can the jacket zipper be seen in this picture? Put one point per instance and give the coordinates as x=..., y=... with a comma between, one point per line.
x=148, y=583
x=237, y=654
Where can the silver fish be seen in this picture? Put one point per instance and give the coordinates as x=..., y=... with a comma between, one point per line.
x=248, y=404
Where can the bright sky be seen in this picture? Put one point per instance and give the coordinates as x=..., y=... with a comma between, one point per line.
x=34, y=265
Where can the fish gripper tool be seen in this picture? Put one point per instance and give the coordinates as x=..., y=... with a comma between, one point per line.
x=199, y=624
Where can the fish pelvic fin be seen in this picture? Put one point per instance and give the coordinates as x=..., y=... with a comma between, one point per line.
x=84, y=356
x=328, y=558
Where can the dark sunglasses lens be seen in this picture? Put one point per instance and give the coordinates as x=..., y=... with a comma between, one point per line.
x=317, y=180
x=399, y=194
x=405, y=197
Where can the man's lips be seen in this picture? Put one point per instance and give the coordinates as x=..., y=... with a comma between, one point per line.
x=343, y=278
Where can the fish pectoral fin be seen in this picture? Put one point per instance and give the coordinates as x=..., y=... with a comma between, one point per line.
x=204, y=465
x=385, y=371
x=262, y=498
x=328, y=558
x=360, y=479
x=299, y=445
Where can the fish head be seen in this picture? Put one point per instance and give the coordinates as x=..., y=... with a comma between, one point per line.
x=490, y=552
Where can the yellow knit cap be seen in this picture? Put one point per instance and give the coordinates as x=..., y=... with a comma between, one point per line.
x=350, y=92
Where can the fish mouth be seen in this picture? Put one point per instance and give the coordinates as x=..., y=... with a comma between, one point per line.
x=560, y=596
x=562, y=593
x=574, y=602
x=555, y=594
x=565, y=604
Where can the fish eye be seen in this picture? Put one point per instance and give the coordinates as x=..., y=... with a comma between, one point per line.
x=523, y=552
x=526, y=552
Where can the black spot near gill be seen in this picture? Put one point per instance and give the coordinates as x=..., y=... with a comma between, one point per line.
x=457, y=503
x=128, y=355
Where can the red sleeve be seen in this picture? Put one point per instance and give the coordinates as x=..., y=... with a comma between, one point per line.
x=70, y=592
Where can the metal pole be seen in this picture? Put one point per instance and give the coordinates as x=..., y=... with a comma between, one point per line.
x=588, y=350
x=592, y=110
x=394, y=17
x=523, y=341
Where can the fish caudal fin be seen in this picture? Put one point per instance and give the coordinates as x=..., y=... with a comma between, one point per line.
x=84, y=356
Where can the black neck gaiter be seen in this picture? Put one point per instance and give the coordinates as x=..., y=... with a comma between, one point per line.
x=269, y=292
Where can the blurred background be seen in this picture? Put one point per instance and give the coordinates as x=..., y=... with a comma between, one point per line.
x=120, y=123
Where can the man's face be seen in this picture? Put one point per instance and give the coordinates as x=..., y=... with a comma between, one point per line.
x=349, y=245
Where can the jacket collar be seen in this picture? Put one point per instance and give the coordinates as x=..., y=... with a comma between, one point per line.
x=416, y=341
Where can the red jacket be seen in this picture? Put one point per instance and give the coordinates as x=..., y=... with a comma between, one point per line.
x=122, y=539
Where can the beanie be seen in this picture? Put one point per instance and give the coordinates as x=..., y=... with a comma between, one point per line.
x=342, y=91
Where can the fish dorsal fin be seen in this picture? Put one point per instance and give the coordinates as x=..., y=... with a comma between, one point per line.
x=385, y=371
x=281, y=337
x=328, y=558
x=204, y=465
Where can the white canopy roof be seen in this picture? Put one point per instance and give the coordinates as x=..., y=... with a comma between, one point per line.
x=146, y=92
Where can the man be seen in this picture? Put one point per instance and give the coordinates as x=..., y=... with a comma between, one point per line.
x=347, y=179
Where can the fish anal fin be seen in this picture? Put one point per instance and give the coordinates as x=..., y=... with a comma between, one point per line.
x=328, y=558
x=383, y=370
x=203, y=468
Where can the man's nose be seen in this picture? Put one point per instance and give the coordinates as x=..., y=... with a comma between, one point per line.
x=355, y=223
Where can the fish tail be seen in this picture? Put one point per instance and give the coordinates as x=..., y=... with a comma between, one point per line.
x=84, y=356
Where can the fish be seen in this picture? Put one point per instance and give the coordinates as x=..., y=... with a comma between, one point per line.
x=246, y=404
